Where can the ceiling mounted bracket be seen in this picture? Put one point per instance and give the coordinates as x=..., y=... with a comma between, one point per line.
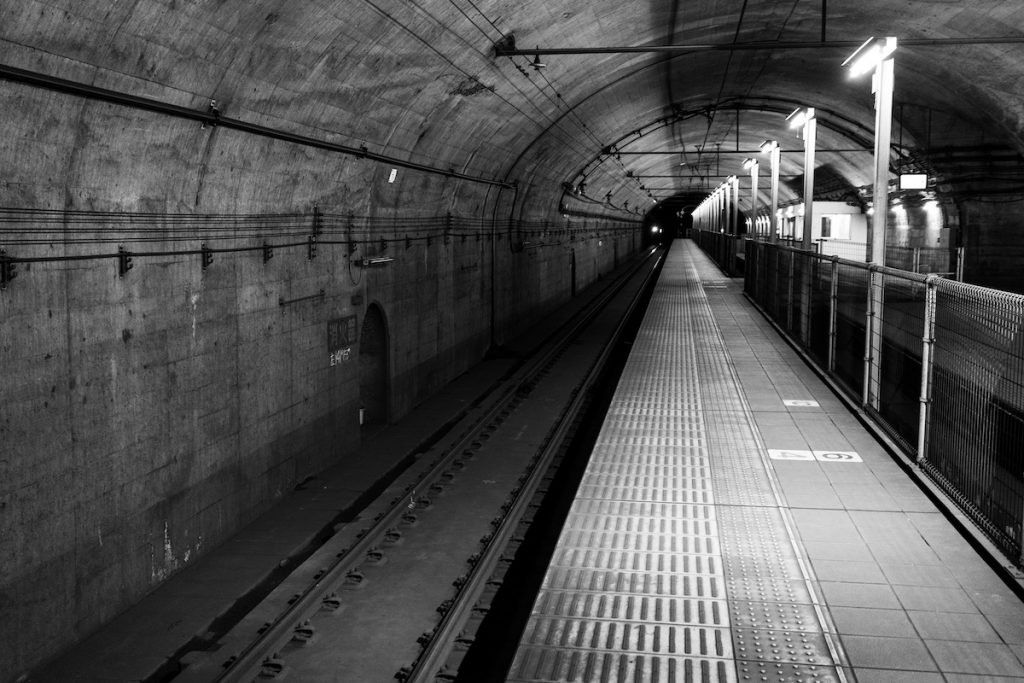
x=505, y=46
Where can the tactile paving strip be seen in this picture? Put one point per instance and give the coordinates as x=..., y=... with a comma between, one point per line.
x=588, y=666
x=636, y=590
x=675, y=563
x=776, y=625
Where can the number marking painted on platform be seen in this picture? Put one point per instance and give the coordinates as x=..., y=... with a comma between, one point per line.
x=784, y=454
x=837, y=456
x=820, y=456
x=800, y=403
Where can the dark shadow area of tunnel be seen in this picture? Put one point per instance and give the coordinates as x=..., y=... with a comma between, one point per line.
x=209, y=641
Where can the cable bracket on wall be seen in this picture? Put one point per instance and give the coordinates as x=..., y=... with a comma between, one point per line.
x=124, y=261
x=8, y=269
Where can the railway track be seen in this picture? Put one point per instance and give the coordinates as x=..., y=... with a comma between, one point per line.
x=400, y=593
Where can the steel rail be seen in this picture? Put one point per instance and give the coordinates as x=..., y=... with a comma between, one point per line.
x=436, y=651
x=246, y=665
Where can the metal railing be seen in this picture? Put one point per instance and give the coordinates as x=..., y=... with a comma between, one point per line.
x=726, y=250
x=925, y=260
x=938, y=364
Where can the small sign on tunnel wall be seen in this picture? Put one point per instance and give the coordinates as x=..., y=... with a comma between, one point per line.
x=341, y=335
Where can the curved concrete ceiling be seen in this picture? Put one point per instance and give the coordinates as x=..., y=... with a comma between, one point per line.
x=420, y=81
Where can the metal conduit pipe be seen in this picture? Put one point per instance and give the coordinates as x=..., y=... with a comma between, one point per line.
x=213, y=117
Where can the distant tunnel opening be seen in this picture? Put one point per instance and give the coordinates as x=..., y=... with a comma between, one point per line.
x=373, y=368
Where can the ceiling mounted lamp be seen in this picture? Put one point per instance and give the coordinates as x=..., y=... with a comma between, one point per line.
x=876, y=56
x=749, y=163
x=869, y=55
x=536, y=64
x=800, y=116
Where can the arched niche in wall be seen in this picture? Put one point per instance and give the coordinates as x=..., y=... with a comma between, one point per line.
x=373, y=368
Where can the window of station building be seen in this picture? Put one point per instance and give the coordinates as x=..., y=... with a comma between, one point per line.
x=836, y=226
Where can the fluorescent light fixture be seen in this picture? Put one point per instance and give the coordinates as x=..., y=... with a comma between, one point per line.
x=376, y=261
x=394, y=174
x=749, y=163
x=768, y=145
x=800, y=116
x=913, y=181
x=869, y=55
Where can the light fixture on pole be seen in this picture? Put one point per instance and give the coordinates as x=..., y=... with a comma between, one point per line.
x=771, y=148
x=805, y=120
x=751, y=165
x=734, y=201
x=876, y=54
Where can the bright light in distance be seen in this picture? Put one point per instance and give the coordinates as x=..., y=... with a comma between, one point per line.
x=869, y=55
x=655, y=229
x=913, y=181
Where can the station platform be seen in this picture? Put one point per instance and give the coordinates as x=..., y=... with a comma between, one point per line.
x=737, y=522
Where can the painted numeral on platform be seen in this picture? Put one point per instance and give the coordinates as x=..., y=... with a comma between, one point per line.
x=837, y=456
x=783, y=454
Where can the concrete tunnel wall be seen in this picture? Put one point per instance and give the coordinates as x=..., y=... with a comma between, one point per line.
x=147, y=417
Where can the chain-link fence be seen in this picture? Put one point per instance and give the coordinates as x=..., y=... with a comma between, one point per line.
x=938, y=363
x=926, y=260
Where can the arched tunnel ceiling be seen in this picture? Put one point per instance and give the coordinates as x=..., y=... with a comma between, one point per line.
x=420, y=80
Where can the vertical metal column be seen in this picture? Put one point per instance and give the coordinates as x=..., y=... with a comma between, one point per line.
x=754, y=227
x=789, y=296
x=927, y=347
x=810, y=135
x=882, y=81
x=774, y=156
x=833, y=312
x=883, y=84
x=734, y=241
x=871, y=352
